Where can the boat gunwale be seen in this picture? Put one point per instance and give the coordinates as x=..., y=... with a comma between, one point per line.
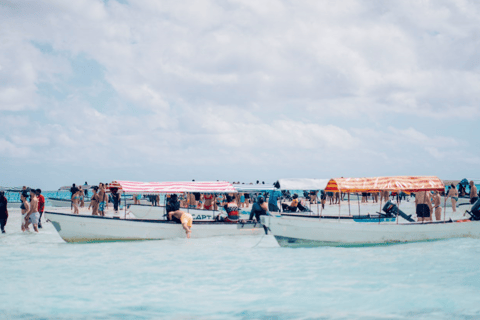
x=198, y=222
x=149, y=205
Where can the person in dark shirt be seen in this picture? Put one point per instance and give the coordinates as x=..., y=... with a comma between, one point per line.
x=3, y=211
x=259, y=208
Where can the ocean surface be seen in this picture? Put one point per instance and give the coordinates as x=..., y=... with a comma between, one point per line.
x=42, y=277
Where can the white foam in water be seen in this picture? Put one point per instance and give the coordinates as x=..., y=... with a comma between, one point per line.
x=232, y=278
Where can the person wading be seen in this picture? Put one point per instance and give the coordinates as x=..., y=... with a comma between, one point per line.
x=3, y=211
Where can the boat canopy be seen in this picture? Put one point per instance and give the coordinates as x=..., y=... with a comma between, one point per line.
x=253, y=187
x=407, y=184
x=173, y=187
x=302, y=184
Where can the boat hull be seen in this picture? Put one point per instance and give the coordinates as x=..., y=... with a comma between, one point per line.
x=149, y=212
x=301, y=232
x=80, y=228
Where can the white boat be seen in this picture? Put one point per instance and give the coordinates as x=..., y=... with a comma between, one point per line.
x=158, y=212
x=82, y=228
x=305, y=232
x=63, y=203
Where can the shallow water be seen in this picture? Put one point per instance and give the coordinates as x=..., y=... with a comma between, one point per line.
x=233, y=278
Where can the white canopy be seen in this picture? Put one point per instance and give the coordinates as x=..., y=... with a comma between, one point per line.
x=253, y=187
x=303, y=184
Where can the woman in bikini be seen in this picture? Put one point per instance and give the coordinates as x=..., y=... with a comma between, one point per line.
x=75, y=201
x=208, y=201
x=25, y=206
x=94, y=202
x=453, y=193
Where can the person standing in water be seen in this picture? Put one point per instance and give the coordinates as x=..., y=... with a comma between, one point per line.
x=453, y=193
x=25, y=207
x=41, y=206
x=3, y=211
x=473, y=193
x=33, y=216
x=436, y=204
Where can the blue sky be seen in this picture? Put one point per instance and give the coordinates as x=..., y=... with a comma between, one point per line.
x=237, y=90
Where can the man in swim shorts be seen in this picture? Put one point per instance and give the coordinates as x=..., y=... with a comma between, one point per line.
x=174, y=214
x=423, y=206
x=102, y=196
x=186, y=220
x=33, y=216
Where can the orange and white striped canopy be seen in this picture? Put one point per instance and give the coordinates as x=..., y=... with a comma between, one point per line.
x=405, y=183
x=173, y=187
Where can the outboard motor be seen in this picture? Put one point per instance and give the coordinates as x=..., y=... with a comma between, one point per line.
x=475, y=211
x=391, y=209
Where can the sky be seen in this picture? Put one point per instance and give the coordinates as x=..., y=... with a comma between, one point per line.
x=237, y=90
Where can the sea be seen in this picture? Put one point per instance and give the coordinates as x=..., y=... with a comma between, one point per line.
x=42, y=277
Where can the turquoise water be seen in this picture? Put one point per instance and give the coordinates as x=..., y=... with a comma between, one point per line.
x=233, y=278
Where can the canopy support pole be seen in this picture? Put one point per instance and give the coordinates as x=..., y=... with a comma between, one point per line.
x=380, y=210
x=445, y=208
x=125, y=204
x=398, y=206
x=318, y=209
x=165, y=206
x=358, y=200
x=213, y=205
x=349, y=213
x=339, y=205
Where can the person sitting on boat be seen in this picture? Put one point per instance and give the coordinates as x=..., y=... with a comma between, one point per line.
x=473, y=193
x=423, y=206
x=259, y=208
x=453, y=193
x=294, y=204
x=231, y=208
x=174, y=214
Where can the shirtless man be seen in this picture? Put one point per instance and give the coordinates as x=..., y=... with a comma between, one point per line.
x=174, y=213
x=473, y=193
x=102, y=199
x=32, y=215
x=436, y=203
x=423, y=206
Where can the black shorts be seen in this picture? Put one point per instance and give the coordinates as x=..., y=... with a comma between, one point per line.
x=423, y=211
x=473, y=200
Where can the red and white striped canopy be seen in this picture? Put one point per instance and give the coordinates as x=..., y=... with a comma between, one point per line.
x=173, y=187
x=408, y=184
